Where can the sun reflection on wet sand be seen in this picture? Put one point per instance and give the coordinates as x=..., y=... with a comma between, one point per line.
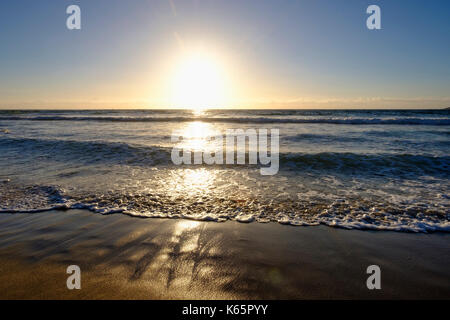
x=184, y=226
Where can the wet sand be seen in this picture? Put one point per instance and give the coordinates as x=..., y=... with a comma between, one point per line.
x=123, y=257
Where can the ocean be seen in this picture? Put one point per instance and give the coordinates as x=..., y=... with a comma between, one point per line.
x=355, y=169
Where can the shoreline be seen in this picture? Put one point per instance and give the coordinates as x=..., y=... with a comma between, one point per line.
x=126, y=258
x=347, y=223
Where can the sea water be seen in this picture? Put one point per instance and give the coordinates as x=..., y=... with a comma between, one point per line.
x=363, y=169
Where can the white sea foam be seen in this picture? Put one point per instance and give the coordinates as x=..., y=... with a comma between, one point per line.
x=340, y=212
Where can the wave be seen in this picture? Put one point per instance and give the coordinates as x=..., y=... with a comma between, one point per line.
x=88, y=151
x=342, y=213
x=369, y=164
x=262, y=120
x=327, y=138
x=144, y=155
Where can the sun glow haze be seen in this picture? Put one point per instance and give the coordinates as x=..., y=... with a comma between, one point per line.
x=199, y=82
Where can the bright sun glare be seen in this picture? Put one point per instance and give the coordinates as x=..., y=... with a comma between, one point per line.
x=198, y=83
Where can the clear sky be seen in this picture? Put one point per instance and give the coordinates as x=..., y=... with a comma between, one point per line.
x=224, y=53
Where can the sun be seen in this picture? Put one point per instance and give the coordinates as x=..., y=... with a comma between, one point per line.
x=199, y=82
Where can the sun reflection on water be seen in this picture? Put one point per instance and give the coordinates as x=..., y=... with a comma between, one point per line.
x=191, y=182
x=199, y=112
x=199, y=136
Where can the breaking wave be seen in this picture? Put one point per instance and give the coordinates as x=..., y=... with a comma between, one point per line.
x=343, y=213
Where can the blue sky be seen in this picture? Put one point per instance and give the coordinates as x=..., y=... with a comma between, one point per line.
x=277, y=54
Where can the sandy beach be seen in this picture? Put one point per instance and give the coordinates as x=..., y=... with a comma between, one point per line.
x=124, y=257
